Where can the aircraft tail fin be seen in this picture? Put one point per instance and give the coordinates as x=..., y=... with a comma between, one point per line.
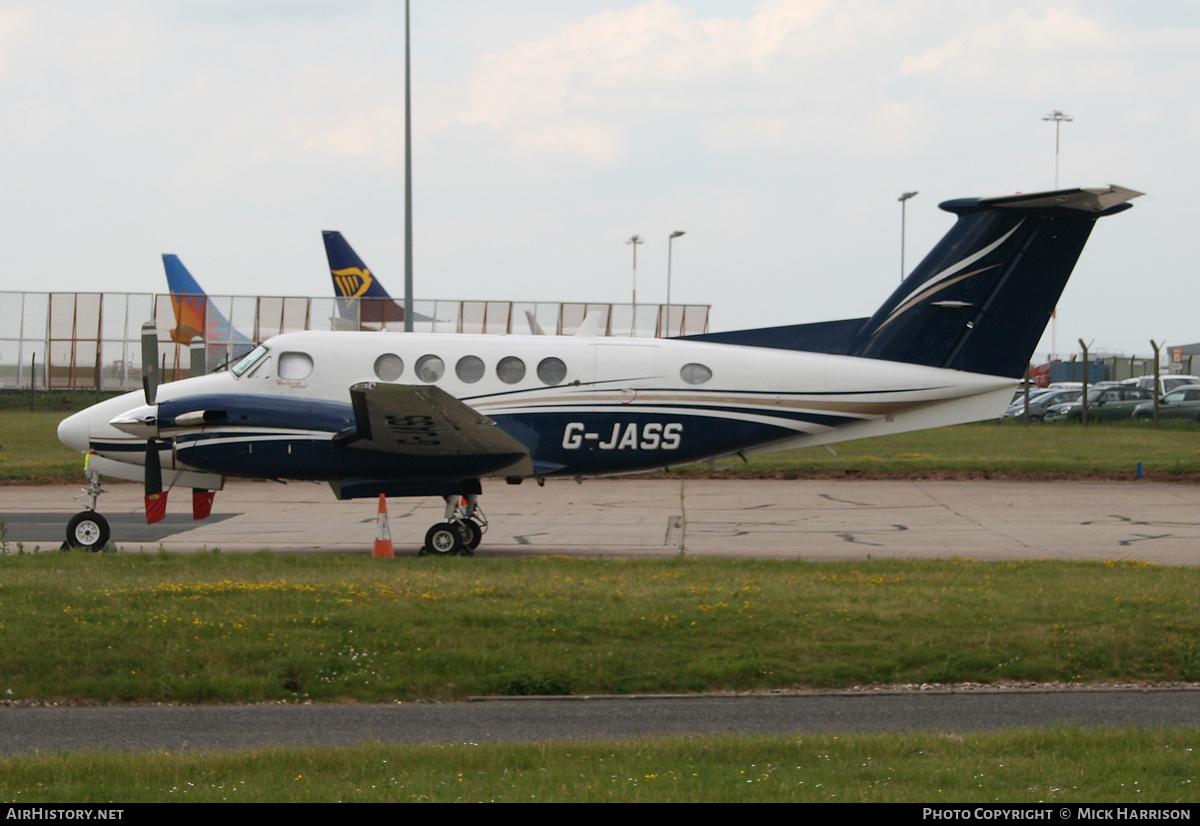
x=352, y=280
x=195, y=315
x=981, y=299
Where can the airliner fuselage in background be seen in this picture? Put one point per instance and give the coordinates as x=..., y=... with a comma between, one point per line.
x=404, y=414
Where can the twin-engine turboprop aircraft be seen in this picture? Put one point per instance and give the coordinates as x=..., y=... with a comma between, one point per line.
x=404, y=414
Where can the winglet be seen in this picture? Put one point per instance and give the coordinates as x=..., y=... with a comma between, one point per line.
x=534, y=328
x=590, y=328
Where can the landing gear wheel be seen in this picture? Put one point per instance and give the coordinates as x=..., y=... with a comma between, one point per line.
x=87, y=530
x=472, y=534
x=444, y=539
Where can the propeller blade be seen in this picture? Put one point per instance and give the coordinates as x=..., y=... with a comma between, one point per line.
x=150, y=361
x=156, y=498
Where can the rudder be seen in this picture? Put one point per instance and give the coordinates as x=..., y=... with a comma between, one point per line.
x=980, y=300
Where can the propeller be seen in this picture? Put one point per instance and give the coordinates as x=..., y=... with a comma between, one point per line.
x=150, y=361
x=156, y=498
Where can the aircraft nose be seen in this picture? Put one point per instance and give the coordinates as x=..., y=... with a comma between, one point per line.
x=73, y=431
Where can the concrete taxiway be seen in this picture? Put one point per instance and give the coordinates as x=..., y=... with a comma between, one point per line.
x=26, y=730
x=813, y=519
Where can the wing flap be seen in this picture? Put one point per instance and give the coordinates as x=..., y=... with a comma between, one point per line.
x=426, y=421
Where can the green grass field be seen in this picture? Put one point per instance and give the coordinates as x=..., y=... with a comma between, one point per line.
x=992, y=449
x=1055, y=766
x=256, y=627
x=248, y=628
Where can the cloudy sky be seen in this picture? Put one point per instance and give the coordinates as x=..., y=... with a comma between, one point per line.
x=777, y=134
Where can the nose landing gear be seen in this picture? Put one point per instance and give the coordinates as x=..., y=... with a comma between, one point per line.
x=88, y=529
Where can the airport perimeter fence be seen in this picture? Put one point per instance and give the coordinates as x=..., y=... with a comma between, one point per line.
x=1113, y=367
x=92, y=341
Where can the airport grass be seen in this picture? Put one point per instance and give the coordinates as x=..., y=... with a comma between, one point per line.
x=1053, y=766
x=997, y=450
x=30, y=450
x=256, y=627
x=29, y=446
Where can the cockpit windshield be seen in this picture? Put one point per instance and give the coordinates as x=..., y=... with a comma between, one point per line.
x=250, y=360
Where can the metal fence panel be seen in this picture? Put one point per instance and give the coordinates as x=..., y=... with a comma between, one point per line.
x=93, y=340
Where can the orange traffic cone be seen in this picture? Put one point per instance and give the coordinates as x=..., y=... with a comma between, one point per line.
x=383, y=536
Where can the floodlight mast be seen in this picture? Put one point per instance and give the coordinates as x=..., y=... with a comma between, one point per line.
x=633, y=242
x=670, y=242
x=1058, y=118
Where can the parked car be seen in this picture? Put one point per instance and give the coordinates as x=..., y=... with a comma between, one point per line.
x=1019, y=393
x=1167, y=382
x=1104, y=404
x=1039, y=402
x=1180, y=403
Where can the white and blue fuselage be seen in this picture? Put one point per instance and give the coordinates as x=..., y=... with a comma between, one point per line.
x=580, y=406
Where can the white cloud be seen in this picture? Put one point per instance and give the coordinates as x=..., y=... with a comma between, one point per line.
x=778, y=135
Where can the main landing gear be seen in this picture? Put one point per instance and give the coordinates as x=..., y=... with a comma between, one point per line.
x=462, y=531
x=88, y=529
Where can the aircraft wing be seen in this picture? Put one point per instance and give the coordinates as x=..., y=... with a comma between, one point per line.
x=426, y=421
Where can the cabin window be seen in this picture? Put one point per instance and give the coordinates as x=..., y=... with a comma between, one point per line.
x=695, y=373
x=551, y=371
x=250, y=360
x=510, y=370
x=469, y=369
x=295, y=366
x=389, y=367
x=430, y=368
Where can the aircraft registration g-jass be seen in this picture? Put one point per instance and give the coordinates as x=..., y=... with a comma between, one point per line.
x=410, y=414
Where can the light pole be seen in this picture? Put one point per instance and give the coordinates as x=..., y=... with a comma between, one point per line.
x=633, y=242
x=1058, y=118
x=903, y=205
x=670, y=242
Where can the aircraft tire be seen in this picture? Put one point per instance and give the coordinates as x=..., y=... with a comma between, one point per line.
x=472, y=534
x=89, y=530
x=444, y=539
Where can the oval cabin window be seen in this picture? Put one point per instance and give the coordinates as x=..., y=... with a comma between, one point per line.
x=430, y=368
x=469, y=369
x=552, y=371
x=389, y=367
x=510, y=370
x=695, y=373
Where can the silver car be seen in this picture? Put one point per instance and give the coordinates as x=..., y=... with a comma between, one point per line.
x=1039, y=402
x=1181, y=403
